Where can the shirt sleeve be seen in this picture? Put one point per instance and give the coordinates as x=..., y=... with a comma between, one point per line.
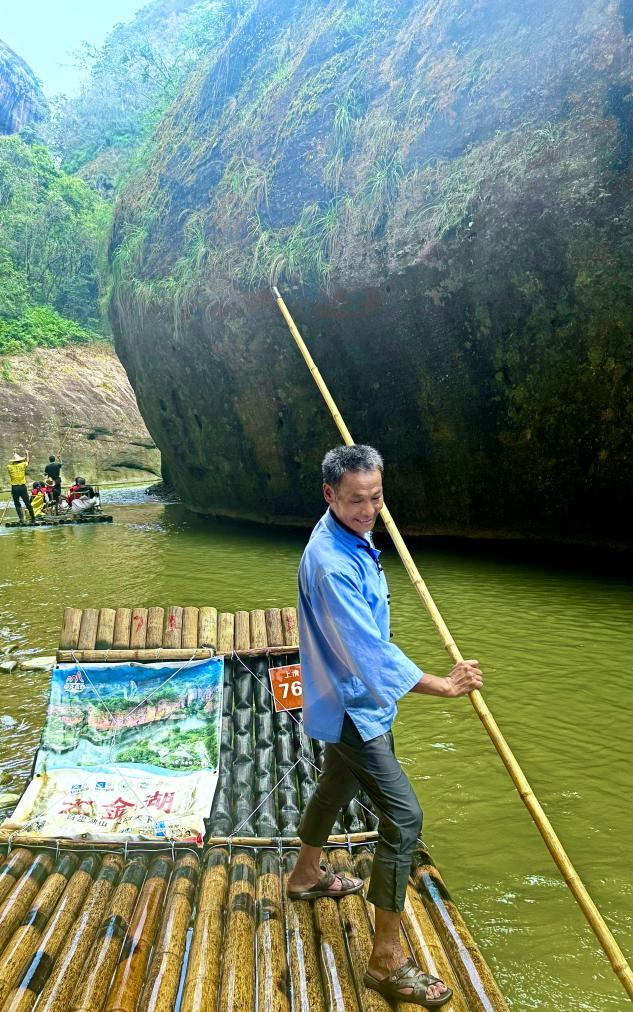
x=345, y=618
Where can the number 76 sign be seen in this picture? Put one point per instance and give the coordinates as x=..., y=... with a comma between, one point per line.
x=287, y=688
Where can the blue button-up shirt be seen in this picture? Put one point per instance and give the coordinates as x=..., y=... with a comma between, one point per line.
x=347, y=660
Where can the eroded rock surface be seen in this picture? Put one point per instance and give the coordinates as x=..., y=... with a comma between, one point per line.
x=443, y=191
x=21, y=98
x=79, y=396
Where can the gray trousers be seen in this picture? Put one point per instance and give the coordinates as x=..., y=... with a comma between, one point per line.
x=349, y=765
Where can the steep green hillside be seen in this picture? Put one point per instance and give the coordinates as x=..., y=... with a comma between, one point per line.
x=446, y=188
x=52, y=246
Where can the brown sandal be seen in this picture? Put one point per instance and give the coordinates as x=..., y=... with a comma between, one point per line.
x=324, y=886
x=408, y=975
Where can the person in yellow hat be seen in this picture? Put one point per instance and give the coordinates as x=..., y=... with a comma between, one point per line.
x=17, y=468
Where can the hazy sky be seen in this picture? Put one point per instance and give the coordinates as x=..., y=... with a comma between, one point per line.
x=45, y=33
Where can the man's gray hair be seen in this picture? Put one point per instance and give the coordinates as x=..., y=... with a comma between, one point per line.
x=349, y=458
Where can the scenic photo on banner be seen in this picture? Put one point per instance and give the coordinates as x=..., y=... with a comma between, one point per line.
x=129, y=751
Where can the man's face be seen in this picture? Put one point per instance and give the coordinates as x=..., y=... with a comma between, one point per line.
x=358, y=499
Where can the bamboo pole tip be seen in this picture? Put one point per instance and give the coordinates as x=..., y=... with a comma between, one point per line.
x=276, y=292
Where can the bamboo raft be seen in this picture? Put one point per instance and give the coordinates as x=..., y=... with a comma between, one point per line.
x=161, y=927
x=59, y=521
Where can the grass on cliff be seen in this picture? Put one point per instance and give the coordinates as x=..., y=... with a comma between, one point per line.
x=370, y=130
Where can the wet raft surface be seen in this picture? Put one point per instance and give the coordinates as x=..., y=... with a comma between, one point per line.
x=184, y=929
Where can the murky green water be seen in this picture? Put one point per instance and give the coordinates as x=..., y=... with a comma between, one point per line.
x=555, y=645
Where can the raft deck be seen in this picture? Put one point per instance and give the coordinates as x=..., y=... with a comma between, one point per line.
x=59, y=521
x=180, y=928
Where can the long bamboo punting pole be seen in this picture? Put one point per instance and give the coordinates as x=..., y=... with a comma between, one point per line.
x=531, y=802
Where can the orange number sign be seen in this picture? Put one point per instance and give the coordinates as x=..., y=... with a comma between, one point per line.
x=287, y=688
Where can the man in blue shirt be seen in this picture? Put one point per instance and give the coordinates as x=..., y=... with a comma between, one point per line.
x=353, y=677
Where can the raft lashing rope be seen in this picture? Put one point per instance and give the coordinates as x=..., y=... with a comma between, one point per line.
x=163, y=927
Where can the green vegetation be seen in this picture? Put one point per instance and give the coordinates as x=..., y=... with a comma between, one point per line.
x=52, y=251
x=179, y=750
x=131, y=80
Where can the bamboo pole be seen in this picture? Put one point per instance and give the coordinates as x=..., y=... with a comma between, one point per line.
x=531, y=802
x=203, y=969
x=32, y=981
x=26, y=936
x=69, y=964
x=160, y=989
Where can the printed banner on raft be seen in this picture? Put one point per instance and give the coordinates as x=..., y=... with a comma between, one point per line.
x=129, y=752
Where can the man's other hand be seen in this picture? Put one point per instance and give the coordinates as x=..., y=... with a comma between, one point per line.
x=463, y=678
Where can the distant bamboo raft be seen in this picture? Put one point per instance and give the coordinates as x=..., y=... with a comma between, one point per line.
x=60, y=521
x=151, y=927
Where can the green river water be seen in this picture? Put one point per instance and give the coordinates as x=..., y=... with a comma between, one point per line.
x=555, y=645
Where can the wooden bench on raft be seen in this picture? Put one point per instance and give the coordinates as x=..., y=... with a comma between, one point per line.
x=174, y=633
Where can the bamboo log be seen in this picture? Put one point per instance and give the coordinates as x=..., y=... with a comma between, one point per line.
x=163, y=978
x=237, y=989
x=158, y=654
x=226, y=626
x=290, y=626
x=138, y=629
x=130, y=973
x=290, y=841
x=208, y=627
x=359, y=939
x=531, y=802
x=172, y=635
x=242, y=630
x=14, y=864
x=122, y=623
x=274, y=627
x=58, y=990
x=189, y=628
x=272, y=969
x=97, y=973
x=303, y=953
x=105, y=629
x=337, y=975
x=88, y=629
x=25, y=938
x=24, y=996
x=258, y=629
x=71, y=623
x=154, y=628
x=477, y=982
x=20, y=898
x=429, y=953
x=203, y=968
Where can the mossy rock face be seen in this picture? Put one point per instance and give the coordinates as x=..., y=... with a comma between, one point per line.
x=442, y=189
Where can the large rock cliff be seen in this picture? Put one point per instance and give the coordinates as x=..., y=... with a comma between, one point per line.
x=21, y=98
x=443, y=190
x=78, y=397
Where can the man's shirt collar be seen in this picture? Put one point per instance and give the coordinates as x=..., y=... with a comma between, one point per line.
x=359, y=541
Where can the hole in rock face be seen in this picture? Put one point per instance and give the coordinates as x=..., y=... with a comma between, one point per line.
x=162, y=405
x=626, y=13
x=198, y=473
x=91, y=436
x=198, y=420
x=388, y=287
x=175, y=400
